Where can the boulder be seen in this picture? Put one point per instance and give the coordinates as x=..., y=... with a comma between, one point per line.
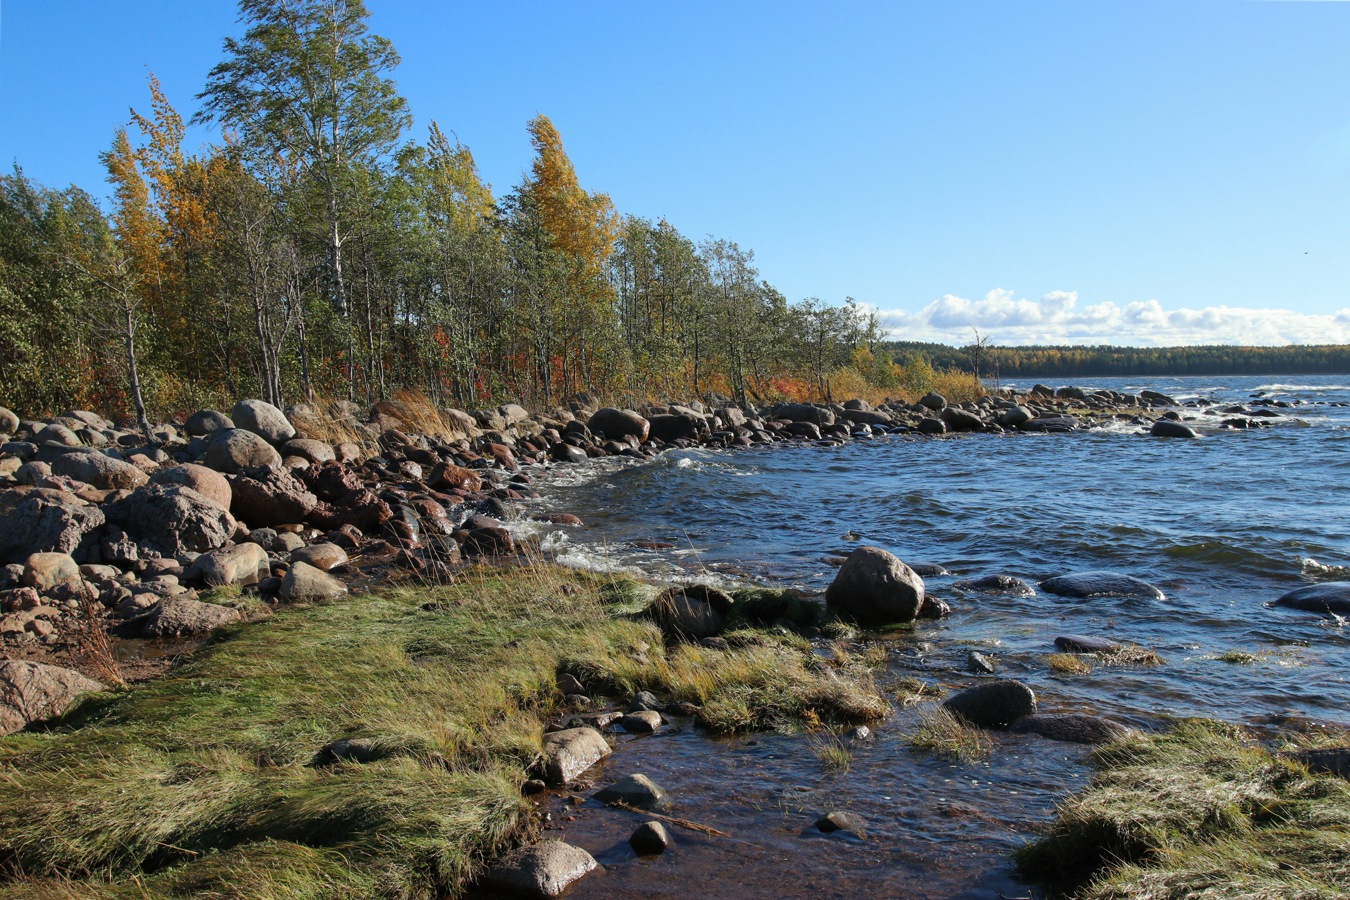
x=932, y=426
x=670, y=427
x=206, y=421
x=619, y=424
x=304, y=582
x=820, y=416
x=268, y=496
x=183, y=617
x=323, y=556
x=99, y=470
x=311, y=451
x=694, y=611
x=263, y=419
x=47, y=521
x=1075, y=728
x=934, y=401
x=635, y=790
x=1085, y=585
x=570, y=752
x=9, y=422
x=45, y=571
x=994, y=704
x=236, y=564
x=1332, y=597
x=873, y=587
x=650, y=837
x=448, y=476
x=235, y=449
x=544, y=870
x=1015, y=417
x=172, y=519
x=207, y=482
x=57, y=434
x=643, y=721
x=1085, y=643
x=33, y=692
x=1168, y=428
x=960, y=420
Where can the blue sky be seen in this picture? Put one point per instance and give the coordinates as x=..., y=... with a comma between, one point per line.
x=1126, y=172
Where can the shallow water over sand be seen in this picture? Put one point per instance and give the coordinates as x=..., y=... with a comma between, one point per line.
x=1223, y=525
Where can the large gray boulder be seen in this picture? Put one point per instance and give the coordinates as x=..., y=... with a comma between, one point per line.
x=695, y=611
x=207, y=482
x=1168, y=428
x=207, y=421
x=235, y=449
x=671, y=427
x=958, y=419
x=266, y=496
x=47, y=521
x=34, y=692
x=819, y=416
x=619, y=424
x=172, y=519
x=264, y=420
x=183, y=617
x=874, y=587
x=1331, y=598
x=313, y=452
x=304, y=582
x=544, y=870
x=9, y=422
x=45, y=571
x=635, y=790
x=1085, y=585
x=1075, y=728
x=235, y=564
x=99, y=470
x=994, y=704
x=570, y=752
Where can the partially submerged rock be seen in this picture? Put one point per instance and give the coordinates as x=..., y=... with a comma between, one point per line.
x=1331, y=598
x=635, y=790
x=1077, y=728
x=651, y=837
x=1085, y=585
x=570, y=752
x=544, y=870
x=994, y=704
x=873, y=587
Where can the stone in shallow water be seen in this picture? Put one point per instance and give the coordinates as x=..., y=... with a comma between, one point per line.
x=1076, y=728
x=839, y=820
x=875, y=588
x=544, y=870
x=651, y=837
x=570, y=752
x=1330, y=597
x=996, y=584
x=1085, y=643
x=995, y=704
x=1084, y=585
x=635, y=790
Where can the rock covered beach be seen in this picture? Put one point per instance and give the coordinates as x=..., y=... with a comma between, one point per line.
x=149, y=536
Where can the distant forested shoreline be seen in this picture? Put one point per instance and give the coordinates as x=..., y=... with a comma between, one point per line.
x=1105, y=360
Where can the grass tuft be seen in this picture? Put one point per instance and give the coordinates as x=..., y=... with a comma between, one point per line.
x=940, y=732
x=1068, y=664
x=1200, y=811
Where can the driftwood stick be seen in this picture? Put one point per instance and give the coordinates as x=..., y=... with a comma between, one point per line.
x=683, y=823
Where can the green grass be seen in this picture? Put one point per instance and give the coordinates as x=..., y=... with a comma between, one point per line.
x=201, y=783
x=941, y=733
x=1202, y=811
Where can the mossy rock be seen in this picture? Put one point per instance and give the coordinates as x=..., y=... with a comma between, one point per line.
x=764, y=606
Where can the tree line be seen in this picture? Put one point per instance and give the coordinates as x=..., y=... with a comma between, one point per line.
x=992, y=362
x=317, y=251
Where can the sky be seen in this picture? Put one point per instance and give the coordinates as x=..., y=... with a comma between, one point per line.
x=1146, y=172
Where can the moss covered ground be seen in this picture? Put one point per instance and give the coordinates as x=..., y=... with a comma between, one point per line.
x=207, y=782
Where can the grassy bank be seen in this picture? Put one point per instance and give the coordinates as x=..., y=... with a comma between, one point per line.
x=204, y=783
x=1202, y=811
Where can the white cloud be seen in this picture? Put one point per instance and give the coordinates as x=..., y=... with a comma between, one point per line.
x=1058, y=319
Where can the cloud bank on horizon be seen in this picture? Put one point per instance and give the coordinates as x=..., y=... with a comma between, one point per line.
x=1057, y=319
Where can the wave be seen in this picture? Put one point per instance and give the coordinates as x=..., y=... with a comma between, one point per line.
x=1301, y=387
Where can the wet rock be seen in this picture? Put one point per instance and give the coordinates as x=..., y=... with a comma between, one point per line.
x=235, y=449
x=1015, y=417
x=635, y=790
x=99, y=470
x=304, y=582
x=995, y=704
x=926, y=570
x=996, y=584
x=268, y=496
x=44, y=571
x=544, y=870
x=875, y=588
x=961, y=420
x=321, y=556
x=671, y=427
x=644, y=700
x=693, y=611
x=650, y=838
x=183, y=616
x=1331, y=598
x=839, y=820
x=207, y=482
x=489, y=540
x=264, y=420
x=1169, y=429
x=570, y=752
x=1085, y=643
x=643, y=721
x=619, y=424
x=1085, y=585
x=47, y=521
x=980, y=664
x=236, y=564
x=1076, y=728
x=932, y=426
x=33, y=692
x=933, y=608
x=172, y=519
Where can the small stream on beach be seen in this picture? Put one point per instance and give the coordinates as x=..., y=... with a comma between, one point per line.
x=1222, y=525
